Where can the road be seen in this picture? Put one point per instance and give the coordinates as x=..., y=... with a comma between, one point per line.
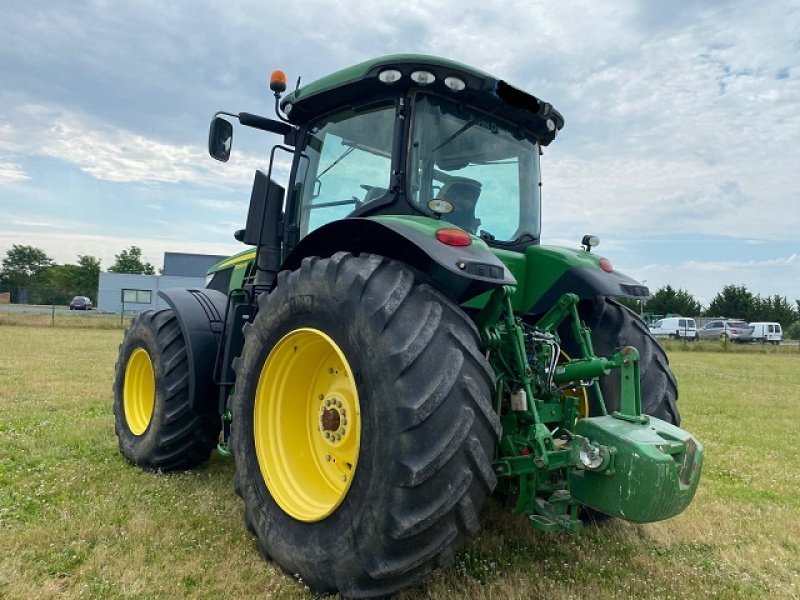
x=38, y=309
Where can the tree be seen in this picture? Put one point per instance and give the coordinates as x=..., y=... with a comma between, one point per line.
x=775, y=308
x=23, y=263
x=22, y=266
x=734, y=301
x=668, y=300
x=55, y=284
x=87, y=276
x=130, y=261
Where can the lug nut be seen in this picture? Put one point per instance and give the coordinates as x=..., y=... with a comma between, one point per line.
x=343, y=431
x=344, y=477
x=338, y=404
x=328, y=457
x=327, y=435
x=322, y=396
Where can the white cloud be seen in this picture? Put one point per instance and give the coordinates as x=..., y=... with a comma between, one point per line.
x=43, y=223
x=239, y=207
x=704, y=279
x=12, y=173
x=120, y=155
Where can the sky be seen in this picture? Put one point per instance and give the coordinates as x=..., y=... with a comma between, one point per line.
x=681, y=148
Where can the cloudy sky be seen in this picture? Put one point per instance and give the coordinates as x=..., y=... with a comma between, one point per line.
x=681, y=148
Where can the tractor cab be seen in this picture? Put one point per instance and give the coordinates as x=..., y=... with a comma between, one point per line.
x=412, y=135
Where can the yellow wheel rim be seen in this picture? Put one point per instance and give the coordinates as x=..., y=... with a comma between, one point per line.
x=139, y=392
x=580, y=393
x=307, y=424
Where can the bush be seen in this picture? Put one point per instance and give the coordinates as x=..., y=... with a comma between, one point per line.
x=793, y=331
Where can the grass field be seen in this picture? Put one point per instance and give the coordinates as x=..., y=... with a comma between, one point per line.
x=77, y=521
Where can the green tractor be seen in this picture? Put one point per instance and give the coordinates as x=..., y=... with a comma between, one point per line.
x=396, y=345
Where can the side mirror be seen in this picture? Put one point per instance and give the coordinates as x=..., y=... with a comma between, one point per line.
x=220, y=139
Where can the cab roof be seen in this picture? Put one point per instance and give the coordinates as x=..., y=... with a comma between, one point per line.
x=360, y=83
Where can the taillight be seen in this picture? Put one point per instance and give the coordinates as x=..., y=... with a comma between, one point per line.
x=453, y=237
x=605, y=264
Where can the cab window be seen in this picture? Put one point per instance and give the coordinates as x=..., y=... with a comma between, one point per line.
x=349, y=164
x=221, y=280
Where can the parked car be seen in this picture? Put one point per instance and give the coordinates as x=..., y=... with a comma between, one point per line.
x=767, y=332
x=737, y=331
x=80, y=303
x=675, y=327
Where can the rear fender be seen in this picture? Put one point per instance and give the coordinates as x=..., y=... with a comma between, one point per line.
x=545, y=273
x=458, y=272
x=588, y=283
x=200, y=314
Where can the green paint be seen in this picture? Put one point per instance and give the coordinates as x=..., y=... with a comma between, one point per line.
x=427, y=225
x=655, y=472
x=536, y=270
x=359, y=71
x=627, y=465
x=243, y=257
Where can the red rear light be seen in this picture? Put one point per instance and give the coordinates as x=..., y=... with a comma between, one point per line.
x=453, y=237
x=605, y=264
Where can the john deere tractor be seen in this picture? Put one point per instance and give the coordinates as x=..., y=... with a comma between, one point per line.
x=395, y=345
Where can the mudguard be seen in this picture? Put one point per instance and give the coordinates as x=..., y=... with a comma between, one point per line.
x=588, y=283
x=458, y=272
x=200, y=315
x=545, y=273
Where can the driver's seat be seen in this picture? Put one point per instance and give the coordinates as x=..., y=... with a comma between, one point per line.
x=462, y=193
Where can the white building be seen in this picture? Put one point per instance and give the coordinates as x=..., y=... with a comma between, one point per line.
x=129, y=293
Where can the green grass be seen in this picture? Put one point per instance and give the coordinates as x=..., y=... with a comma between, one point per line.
x=77, y=521
x=65, y=320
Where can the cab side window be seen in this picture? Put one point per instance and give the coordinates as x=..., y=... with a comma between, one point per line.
x=221, y=280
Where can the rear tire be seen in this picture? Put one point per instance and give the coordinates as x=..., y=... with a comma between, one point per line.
x=153, y=418
x=427, y=428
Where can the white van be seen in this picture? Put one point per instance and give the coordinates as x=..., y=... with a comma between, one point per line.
x=675, y=327
x=767, y=332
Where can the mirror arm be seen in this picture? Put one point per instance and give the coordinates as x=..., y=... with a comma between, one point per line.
x=264, y=124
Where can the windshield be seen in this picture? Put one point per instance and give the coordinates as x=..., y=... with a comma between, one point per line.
x=485, y=171
x=349, y=163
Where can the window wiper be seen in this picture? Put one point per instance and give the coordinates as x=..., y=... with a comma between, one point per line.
x=463, y=128
x=341, y=157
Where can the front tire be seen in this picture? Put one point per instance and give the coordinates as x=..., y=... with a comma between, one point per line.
x=153, y=418
x=360, y=334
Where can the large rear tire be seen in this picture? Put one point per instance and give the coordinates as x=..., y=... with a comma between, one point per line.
x=613, y=326
x=368, y=506
x=153, y=418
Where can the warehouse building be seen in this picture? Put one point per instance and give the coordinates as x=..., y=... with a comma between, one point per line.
x=131, y=294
